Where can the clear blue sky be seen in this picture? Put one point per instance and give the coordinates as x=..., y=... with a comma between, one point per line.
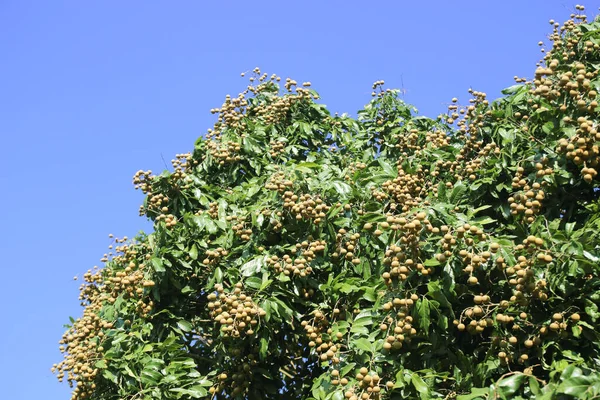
x=92, y=91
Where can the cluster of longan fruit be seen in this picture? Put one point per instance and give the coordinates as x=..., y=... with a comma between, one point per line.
x=130, y=283
x=305, y=206
x=527, y=202
x=82, y=344
x=291, y=84
x=232, y=111
x=473, y=119
x=475, y=319
x=276, y=109
x=311, y=249
x=289, y=266
x=240, y=229
x=235, y=312
x=227, y=152
x=453, y=112
x=574, y=83
x=271, y=108
x=301, y=265
x=214, y=256
x=436, y=139
x=158, y=202
x=128, y=280
x=465, y=234
x=522, y=277
x=580, y=148
x=583, y=149
x=181, y=163
x=369, y=385
x=513, y=349
x=378, y=84
x=398, y=328
x=411, y=228
x=238, y=381
x=347, y=246
x=564, y=80
x=321, y=336
x=143, y=180
x=474, y=263
x=406, y=189
x=352, y=168
x=213, y=210
x=169, y=219
x=400, y=265
x=81, y=347
x=278, y=182
x=474, y=164
x=409, y=142
x=378, y=194
x=469, y=150
x=468, y=160
x=559, y=324
x=276, y=148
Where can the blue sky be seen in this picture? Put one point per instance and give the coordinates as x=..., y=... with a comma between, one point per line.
x=91, y=92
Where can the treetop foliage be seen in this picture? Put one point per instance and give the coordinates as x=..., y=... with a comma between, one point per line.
x=302, y=255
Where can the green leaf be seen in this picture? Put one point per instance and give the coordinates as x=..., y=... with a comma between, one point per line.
x=196, y=392
x=389, y=170
x=218, y=275
x=419, y=384
x=432, y=262
x=253, y=266
x=157, y=264
x=363, y=344
x=253, y=282
x=512, y=89
x=251, y=145
x=194, y=252
x=347, y=368
x=185, y=326
x=308, y=165
x=534, y=386
x=457, y=193
x=359, y=324
x=110, y=376
x=150, y=377
x=435, y=292
x=423, y=312
x=370, y=295
x=575, y=386
x=200, y=221
x=476, y=393
x=509, y=385
x=338, y=396
x=341, y=187
x=264, y=348
x=590, y=256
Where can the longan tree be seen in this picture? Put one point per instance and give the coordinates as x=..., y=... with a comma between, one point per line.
x=302, y=255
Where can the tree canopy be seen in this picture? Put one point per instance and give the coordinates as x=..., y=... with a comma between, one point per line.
x=298, y=254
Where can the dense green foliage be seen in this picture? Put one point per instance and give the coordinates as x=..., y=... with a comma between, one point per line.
x=300, y=255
